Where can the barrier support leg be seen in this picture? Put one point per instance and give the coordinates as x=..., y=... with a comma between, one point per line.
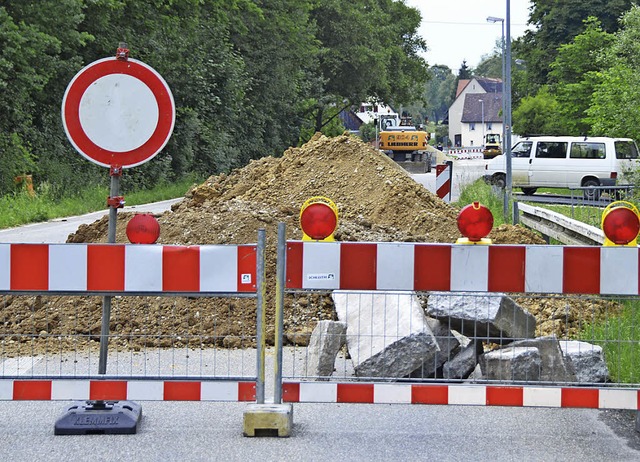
x=273, y=419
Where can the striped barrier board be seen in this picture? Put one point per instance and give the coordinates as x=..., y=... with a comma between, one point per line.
x=149, y=390
x=451, y=267
x=444, y=175
x=473, y=395
x=127, y=268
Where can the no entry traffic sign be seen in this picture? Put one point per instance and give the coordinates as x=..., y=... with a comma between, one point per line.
x=118, y=112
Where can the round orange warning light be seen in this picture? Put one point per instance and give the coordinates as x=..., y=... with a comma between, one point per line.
x=143, y=228
x=475, y=221
x=620, y=225
x=318, y=218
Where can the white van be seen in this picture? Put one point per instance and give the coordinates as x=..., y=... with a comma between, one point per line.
x=565, y=162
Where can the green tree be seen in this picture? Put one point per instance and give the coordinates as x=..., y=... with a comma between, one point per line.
x=439, y=92
x=574, y=75
x=537, y=115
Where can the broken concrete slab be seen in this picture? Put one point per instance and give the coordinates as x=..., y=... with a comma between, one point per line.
x=448, y=347
x=496, y=316
x=326, y=340
x=463, y=364
x=553, y=367
x=517, y=364
x=387, y=332
x=585, y=360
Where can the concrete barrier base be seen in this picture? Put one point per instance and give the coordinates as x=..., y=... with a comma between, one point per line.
x=268, y=420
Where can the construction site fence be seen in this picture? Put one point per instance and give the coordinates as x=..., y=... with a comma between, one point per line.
x=184, y=322
x=547, y=326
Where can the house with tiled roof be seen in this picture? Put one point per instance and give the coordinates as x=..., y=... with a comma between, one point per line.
x=476, y=111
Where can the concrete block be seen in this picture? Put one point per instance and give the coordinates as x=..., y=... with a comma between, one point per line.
x=326, y=340
x=387, y=332
x=494, y=316
x=553, y=367
x=585, y=360
x=448, y=347
x=519, y=364
x=463, y=364
x=268, y=420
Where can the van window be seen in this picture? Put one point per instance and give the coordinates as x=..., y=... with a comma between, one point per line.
x=588, y=151
x=626, y=150
x=522, y=149
x=551, y=149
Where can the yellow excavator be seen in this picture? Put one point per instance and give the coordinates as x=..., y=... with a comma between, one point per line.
x=492, y=145
x=405, y=143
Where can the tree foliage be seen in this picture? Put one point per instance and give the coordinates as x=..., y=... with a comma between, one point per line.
x=249, y=77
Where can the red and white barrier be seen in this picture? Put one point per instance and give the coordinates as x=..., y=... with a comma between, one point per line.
x=477, y=395
x=444, y=177
x=149, y=390
x=450, y=267
x=466, y=153
x=131, y=268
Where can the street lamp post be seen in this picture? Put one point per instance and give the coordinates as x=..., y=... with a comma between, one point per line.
x=494, y=20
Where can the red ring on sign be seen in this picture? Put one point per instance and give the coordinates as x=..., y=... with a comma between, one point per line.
x=105, y=157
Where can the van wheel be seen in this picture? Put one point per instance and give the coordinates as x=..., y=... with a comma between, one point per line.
x=529, y=191
x=591, y=194
x=499, y=180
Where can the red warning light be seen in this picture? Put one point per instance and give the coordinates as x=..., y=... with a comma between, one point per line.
x=318, y=219
x=620, y=225
x=475, y=221
x=143, y=228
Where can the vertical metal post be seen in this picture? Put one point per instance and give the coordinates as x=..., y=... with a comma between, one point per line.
x=260, y=315
x=106, y=301
x=280, y=283
x=507, y=105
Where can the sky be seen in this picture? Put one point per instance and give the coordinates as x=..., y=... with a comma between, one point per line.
x=457, y=30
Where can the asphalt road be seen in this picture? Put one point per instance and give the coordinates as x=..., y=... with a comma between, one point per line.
x=201, y=431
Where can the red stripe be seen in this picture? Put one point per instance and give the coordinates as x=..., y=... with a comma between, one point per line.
x=443, y=191
x=506, y=268
x=32, y=390
x=358, y=266
x=29, y=267
x=105, y=267
x=429, y=394
x=108, y=389
x=355, y=393
x=247, y=266
x=505, y=396
x=291, y=392
x=581, y=273
x=246, y=391
x=181, y=269
x=426, y=258
x=580, y=397
x=182, y=391
x=294, y=265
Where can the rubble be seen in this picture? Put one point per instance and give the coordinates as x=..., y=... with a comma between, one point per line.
x=325, y=343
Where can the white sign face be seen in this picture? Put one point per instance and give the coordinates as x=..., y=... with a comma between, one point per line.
x=118, y=112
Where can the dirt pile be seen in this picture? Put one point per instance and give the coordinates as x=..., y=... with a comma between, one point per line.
x=377, y=201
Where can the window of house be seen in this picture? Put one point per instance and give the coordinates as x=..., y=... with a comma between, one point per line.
x=489, y=126
x=472, y=126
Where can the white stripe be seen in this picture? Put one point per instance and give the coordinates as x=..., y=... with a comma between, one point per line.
x=618, y=399
x=70, y=389
x=385, y=393
x=473, y=395
x=5, y=266
x=219, y=268
x=394, y=267
x=611, y=260
x=219, y=391
x=68, y=267
x=541, y=397
x=543, y=269
x=318, y=392
x=6, y=390
x=469, y=265
x=443, y=177
x=143, y=268
x=20, y=365
x=149, y=390
x=321, y=265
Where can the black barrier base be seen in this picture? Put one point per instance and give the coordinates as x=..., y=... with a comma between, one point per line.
x=99, y=418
